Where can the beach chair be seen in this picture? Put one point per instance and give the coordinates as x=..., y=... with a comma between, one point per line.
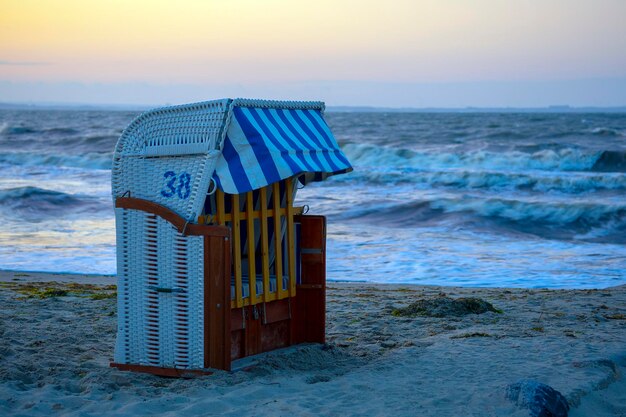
x=214, y=261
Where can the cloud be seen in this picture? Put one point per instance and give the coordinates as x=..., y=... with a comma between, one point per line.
x=22, y=63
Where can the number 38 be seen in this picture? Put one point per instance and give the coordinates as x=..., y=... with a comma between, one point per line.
x=176, y=185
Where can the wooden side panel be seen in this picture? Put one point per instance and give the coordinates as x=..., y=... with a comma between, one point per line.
x=236, y=319
x=275, y=336
x=276, y=311
x=217, y=338
x=237, y=349
x=268, y=329
x=309, y=310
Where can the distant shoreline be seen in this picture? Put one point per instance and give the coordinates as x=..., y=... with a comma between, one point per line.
x=21, y=277
x=329, y=109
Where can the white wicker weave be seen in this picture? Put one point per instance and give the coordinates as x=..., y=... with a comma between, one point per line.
x=168, y=155
x=164, y=329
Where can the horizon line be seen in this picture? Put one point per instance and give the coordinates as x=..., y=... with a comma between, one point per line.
x=556, y=108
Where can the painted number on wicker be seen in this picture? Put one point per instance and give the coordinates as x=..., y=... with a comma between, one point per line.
x=176, y=185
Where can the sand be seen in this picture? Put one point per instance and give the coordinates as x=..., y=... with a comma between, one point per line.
x=55, y=352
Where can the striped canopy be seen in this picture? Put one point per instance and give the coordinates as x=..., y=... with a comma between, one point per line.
x=266, y=144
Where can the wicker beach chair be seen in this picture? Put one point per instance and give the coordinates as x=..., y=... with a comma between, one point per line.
x=214, y=261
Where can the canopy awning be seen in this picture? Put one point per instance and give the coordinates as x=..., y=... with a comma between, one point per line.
x=266, y=145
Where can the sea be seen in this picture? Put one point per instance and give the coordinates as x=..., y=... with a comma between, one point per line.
x=534, y=200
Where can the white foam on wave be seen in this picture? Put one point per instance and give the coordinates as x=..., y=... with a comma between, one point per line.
x=607, y=131
x=559, y=181
x=566, y=159
x=535, y=210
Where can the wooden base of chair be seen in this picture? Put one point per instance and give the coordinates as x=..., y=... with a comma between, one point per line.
x=250, y=330
x=167, y=372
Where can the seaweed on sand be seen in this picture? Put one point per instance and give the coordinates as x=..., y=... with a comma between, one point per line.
x=445, y=306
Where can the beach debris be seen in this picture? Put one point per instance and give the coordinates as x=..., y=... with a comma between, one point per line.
x=469, y=335
x=445, y=306
x=45, y=290
x=539, y=399
x=103, y=295
x=318, y=378
x=41, y=293
x=615, y=316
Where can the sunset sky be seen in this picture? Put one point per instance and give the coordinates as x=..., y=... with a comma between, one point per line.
x=421, y=53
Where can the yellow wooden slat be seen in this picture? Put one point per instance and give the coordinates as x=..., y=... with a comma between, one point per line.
x=220, y=218
x=219, y=198
x=236, y=228
x=251, y=247
x=278, y=257
x=291, y=236
x=265, y=253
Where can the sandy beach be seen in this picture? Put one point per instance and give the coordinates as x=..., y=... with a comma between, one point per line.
x=58, y=331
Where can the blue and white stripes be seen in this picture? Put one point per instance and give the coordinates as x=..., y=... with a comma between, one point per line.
x=264, y=145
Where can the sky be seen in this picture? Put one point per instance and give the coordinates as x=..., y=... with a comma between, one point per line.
x=393, y=53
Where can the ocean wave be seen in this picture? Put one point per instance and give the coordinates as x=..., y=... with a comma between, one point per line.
x=565, y=159
x=562, y=182
x=506, y=134
x=57, y=138
x=610, y=161
x=16, y=130
x=548, y=219
x=33, y=204
x=91, y=160
x=607, y=131
x=555, y=213
x=108, y=140
x=91, y=144
x=8, y=129
x=60, y=131
x=407, y=214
